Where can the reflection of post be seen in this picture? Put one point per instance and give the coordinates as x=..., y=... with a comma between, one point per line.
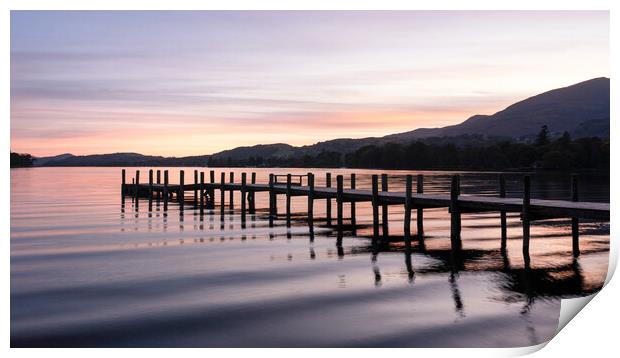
x=407, y=229
x=502, y=213
x=328, y=201
x=375, y=207
x=339, y=201
x=353, y=220
x=455, y=214
x=384, y=208
x=408, y=264
x=456, y=295
x=575, y=221
x=310, y=200
x=288, y=200
x=420, y=211
x=525, y=218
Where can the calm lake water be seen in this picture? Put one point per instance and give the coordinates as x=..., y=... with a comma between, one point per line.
x=86, y=272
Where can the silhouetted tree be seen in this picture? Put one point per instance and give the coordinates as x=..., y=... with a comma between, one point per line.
x=543, y=136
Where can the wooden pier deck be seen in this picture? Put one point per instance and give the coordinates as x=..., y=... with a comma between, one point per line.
x=530, y=209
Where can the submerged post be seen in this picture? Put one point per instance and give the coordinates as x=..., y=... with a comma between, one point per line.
x=196, y=188
x=455, y=214
x=211, y=203
x=310, y=199
x=407, y=229
x=181, y=192
x=328, y=201
x=136, y=185
x=272, y=201
x=502, y=213
x=419, y=210
x=353, y=220
x=232, y=192
x=222, y=195
x=243, y=193
x=158, y=182
x=165, y=190
x=150, y=185
x=384, y=208
x=123, y=183
x=575, y=220
x=375, y=206
x=288, y=200
x=525, y=218
x=202, y=196
x=252, y=196
x=339, y=200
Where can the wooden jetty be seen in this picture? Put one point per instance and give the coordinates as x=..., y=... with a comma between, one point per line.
x=380, y=198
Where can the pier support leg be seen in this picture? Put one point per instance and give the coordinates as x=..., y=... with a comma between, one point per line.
x=136, y=186
x=158, y=182
x=419, y=210
x=375, y=207
x=328, y=201
x=181, y=193
x=353, y=219
x=252, y=196
x=455, y=213
x=222, y=195
x=202, y=196
x=339, y=202
x=196, y=188
x=384, y=208
x=407, y=228
x=272, y=201
x=525, y=219
x=310, y=200
x=288, y=200
x=232, y=193
x=165, y=191
x=575, y=221
x=211, y=203
x=243, y=198
x=123, y=183
x=502, y=213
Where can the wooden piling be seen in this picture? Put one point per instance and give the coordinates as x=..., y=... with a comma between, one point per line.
x=375, y=206
x=202, y=196
x=137, y=185
x=455, y=213
x=288, y=200
x=502, y=213
x=252, y=196
x=165, y=190
x=232, y=192
x=211, y=203
x=123, y=183
x=272, y=201
x=243, y=198
x=328, y=201
x=150, y=185
x=310, y=200
x=196, y=188
x=222, y=195
x=575, y=220
x=420, y=210
x=384, y=208
x=525, y=217
x=353, y=220
x=158, y=182
x=339, y=201
x=181, y=192
x=407, y=226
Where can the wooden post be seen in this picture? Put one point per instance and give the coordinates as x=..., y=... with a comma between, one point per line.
x=502, y=213
x=407, y=230
x=288, y=200
x=419, y=210
x=196, y=188
x=123, y=183
x=310, y=200
x=575, y=220
x=181, y=192
x=222, y=195
x=353, y=220
x=525, y=217
x=339, y=200
x=328, y=201
x=202, y=197
x=272, y=201
x=150, y=185
x=232, y=192
x=136, y=185
x=252, y=196
x=211, y=203
x=384, y=208
x=158, y=182
x=165, y=190
x=455, y=214
x=375, y=206
x=243, y=193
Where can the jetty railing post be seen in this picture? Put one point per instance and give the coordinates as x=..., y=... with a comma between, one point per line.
x=353, y=220
x=196, y=188
x=375, y=206
x=575, y=220
x=339, y=201
x=407, y=229
x=201, y=189
x=288, y=200
x=158, y=182
x=136, y=185
x=243, y=193
x=328, y=201
x=455, y=214
x=384, y=208
x=211, y=203
x=420, y=210
x=252, y=196
x=181, y=192
x=310, y=200
x=502, y=213
x=222, y=195
x=123, y=183
x=232, y=193
x=272, y=201
x=525, y=218
x=165, y=190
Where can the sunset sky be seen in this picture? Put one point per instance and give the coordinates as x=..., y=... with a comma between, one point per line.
x=188, y=83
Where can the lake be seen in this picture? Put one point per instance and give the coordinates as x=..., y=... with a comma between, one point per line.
x=89, y=272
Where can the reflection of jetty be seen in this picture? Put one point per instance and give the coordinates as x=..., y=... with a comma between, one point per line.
x=204, y=198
